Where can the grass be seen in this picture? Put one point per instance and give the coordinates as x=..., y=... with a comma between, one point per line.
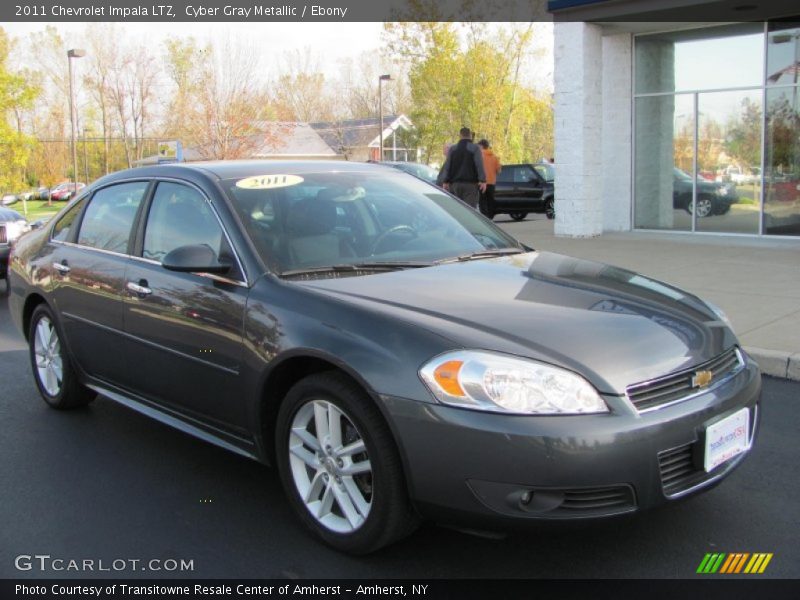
x=37, y=209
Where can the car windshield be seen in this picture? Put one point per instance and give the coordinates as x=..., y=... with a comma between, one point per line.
x=418, y=170
x=681, y=174
x=361, y=220
x=546, y=171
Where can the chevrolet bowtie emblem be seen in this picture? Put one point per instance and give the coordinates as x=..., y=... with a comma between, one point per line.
x=702, y=379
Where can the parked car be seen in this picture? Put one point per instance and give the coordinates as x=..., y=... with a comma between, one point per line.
x=65, y=191
x=9, y=199
x=330, y=318
x=523, y=189
x=12, y=226
x=424, y=172
x=713, y=198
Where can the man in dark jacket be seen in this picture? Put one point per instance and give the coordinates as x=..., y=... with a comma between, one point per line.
x=464, y=175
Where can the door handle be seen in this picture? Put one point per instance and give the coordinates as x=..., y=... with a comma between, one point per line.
x=140, y=288
x=61, y=267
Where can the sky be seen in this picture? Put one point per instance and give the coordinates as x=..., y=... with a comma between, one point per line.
x=330, y=42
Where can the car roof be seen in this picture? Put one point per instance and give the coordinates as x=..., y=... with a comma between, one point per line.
x=236, y=169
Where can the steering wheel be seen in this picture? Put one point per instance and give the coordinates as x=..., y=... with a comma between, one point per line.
x=391, y=231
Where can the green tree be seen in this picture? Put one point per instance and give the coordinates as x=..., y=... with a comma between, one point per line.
x=473, y=80
x=15, y=94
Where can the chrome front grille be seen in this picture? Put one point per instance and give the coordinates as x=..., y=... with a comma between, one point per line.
x=672, y=388
x=3, y=234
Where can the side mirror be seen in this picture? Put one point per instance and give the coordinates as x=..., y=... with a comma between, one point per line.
x=198, y=258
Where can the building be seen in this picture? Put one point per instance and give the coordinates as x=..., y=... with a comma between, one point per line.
x=668, y=119
x=353, y=139
x=359, y=139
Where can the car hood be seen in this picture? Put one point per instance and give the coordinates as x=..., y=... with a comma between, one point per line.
x=6, y=214
x=613, y=326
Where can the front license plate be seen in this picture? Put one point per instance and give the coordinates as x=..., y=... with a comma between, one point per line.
x=727, y=438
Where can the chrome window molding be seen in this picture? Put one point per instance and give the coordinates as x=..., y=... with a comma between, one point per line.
x=237, y=282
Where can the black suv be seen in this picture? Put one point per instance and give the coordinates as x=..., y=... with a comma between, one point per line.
x=522, y=189
x=713, y=198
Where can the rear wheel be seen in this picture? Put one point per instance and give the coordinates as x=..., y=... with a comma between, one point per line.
x=550, y=208
x=340, y=467
x=518, y=216
x=54, y=375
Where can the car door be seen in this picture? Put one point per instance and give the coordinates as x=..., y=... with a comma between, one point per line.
x=527, y=189
x=504, y=188
x=185, y=329
x=89, y=254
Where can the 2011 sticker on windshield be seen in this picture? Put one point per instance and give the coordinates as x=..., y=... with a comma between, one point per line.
x=268, y=182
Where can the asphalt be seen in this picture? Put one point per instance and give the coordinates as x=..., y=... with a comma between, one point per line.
x=104, y=483
x=756, y=281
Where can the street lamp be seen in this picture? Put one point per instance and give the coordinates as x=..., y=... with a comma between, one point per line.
x=381, y=79
x=73, y=53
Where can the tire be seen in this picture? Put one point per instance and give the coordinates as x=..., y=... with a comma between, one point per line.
x=550, y=208
x=518, y=216
x=53, y=372
x=705, y=207
x=358, y=512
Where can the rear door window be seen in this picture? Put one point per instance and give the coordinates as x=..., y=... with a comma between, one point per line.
x=109, y=218
x=64, y=226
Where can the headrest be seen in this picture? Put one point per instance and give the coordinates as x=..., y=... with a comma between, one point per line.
x=313, y=216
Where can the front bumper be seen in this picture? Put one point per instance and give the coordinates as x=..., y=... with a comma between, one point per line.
x=470, y=467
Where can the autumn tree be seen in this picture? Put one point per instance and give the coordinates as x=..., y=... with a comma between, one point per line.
x=472, y=78
x=16, y=94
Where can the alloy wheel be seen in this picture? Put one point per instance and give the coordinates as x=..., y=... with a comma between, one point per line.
x=49, y=363
x=330, y=466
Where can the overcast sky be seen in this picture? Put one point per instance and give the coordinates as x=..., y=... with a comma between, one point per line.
x=330, y=42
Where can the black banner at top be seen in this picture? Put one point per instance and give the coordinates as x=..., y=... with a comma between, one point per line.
x=272, y=11
x=262, y=11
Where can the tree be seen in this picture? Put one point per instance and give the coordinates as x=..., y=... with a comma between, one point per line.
x=472, y=79
x=15, y=94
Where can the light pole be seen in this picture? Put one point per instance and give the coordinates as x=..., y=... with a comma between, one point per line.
x=73, y=53
x=381, y=79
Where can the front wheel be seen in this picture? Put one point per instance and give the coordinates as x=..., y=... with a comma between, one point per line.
x=340, y=467
x=703, y=206
x=518, y=216
x=54, y=375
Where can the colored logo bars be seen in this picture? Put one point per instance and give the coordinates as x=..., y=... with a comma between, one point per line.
x=741, y=562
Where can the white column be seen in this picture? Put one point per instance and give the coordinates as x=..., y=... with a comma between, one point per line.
x=578, y=129
x=616, y=150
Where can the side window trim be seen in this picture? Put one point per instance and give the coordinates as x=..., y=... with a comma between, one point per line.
x=137, y=251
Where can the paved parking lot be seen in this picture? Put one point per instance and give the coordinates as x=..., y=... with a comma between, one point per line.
x=105, y=483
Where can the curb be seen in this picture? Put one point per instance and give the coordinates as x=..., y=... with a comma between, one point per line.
x=776, y=363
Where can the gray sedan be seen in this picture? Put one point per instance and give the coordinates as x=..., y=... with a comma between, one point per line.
x=392, y=352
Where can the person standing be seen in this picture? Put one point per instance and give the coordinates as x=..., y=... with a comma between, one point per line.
x=463, y=170
x=492, y=167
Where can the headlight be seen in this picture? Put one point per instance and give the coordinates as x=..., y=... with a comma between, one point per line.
x=722, y=191
x=499, y=383
x=720, y=314
x=15, y=229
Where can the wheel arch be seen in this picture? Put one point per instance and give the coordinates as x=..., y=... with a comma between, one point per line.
x=31, y=302
x=288, y=371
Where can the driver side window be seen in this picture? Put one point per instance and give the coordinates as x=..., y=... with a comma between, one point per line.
x=180, y=216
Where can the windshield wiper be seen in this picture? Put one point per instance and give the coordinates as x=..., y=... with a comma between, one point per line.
x=350, y=268
x=488, y=253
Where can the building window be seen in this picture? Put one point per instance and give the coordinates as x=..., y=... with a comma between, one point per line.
x=701, y=124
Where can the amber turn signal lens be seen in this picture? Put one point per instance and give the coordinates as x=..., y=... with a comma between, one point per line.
x=446, y=375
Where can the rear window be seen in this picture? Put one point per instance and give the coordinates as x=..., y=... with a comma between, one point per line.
x=109, y=218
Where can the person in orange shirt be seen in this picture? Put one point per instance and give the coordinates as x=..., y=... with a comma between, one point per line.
x=491, y=166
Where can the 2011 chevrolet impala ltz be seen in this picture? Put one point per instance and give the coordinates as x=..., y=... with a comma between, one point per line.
x=395, y=354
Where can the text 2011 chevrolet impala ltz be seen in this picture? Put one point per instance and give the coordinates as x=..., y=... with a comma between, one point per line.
x=395, y=354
